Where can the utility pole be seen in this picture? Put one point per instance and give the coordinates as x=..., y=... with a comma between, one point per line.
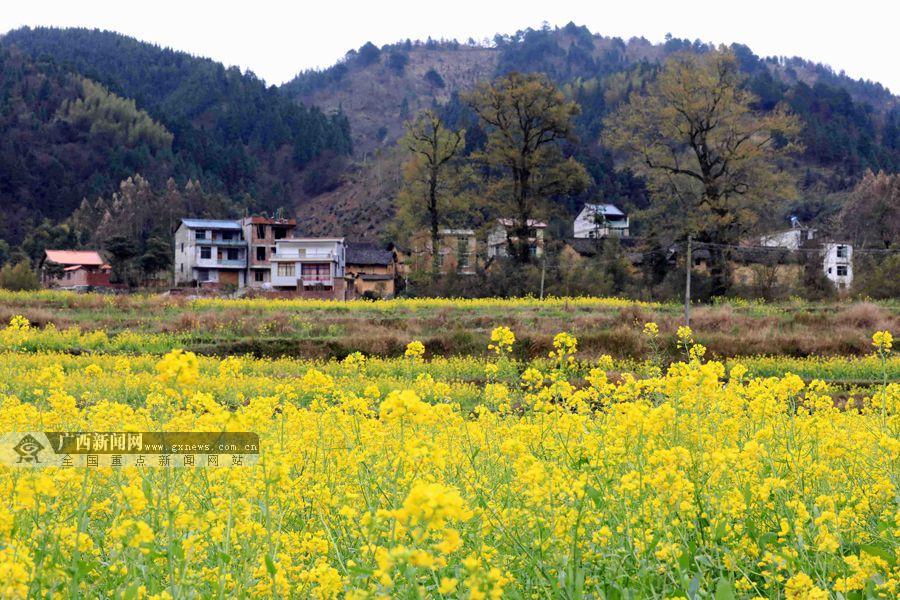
x=543, y=271
x=687, y=284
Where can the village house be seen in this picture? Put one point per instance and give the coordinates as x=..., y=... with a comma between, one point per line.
x=792, y=239
x=74, y=269
x=457, y=253
x=311, y=267
x=601, y=220
x=370, y=271
x=836, y=256
x=262, y=234
x=210, y=253
x=503, y=235
x=838, y=264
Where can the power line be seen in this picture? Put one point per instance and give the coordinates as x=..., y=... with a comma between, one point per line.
x=818, y=250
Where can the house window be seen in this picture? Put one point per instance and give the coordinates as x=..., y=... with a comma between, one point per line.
x=260, y=231
x=205, y=252
x=842, y=271
x=226, y=236
x=68, y=275
x=842, y=251
x=182, y=246
x=259, y=276
x=200, y=235
x=279, y=232
x=273, y=249
x=261, y=253
x=232, y=254
x=181, y=267
x=462, y=252
x=829, y=270
x=316, y=272
x=202, y=275
x=285, y=269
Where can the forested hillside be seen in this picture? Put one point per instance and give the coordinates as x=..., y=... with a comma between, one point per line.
x=65, y=92
x=849, y=125
x=83, y=110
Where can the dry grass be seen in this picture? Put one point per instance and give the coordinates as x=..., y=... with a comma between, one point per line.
x=868, y=315
x=725, y=330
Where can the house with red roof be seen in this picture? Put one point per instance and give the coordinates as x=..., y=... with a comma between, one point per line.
x=74, y=269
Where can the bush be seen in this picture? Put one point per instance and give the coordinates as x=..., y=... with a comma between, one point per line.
x=877, y=277
x=368, y=54
x=19, y=277
x=397, y=62
x=434, y=78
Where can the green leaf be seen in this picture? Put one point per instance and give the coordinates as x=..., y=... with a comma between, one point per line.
x=694, y=587
x=721, y=530
x=148, y=490
x=724, y=589
x=595, y=495
x=879, y=552
x=131, y=592
x=684, y=561
x=270, y=565
x=83, y=567
x=767, y=538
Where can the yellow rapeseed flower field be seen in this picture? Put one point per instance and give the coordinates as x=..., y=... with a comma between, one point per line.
x=411, y=478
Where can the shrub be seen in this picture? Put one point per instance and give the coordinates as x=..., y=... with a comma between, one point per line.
x=434, y=78
x=19, y=277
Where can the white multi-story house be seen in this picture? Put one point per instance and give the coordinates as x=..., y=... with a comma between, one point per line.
x=837, y=257
x=210, y=252
x=601, y=220
x=838, y=264
x=504, y=233
x=309, y=264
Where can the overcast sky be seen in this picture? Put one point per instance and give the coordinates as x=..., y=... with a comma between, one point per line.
x=277, y=39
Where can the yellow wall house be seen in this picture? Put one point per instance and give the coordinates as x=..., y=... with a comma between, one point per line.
x=371, y=271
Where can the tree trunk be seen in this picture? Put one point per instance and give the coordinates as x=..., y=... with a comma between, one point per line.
x=435, y=236
x=719, y=271
x=523, y=255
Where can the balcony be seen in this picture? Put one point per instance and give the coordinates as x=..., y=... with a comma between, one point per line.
x=223, y=242
x=304, y=256
x=312, y=280
x=221, y=263
x=232, y=263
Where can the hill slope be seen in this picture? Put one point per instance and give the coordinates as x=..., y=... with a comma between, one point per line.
x=227, y=128
x=324, y=144
x=371, y=84
x=850, y=125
